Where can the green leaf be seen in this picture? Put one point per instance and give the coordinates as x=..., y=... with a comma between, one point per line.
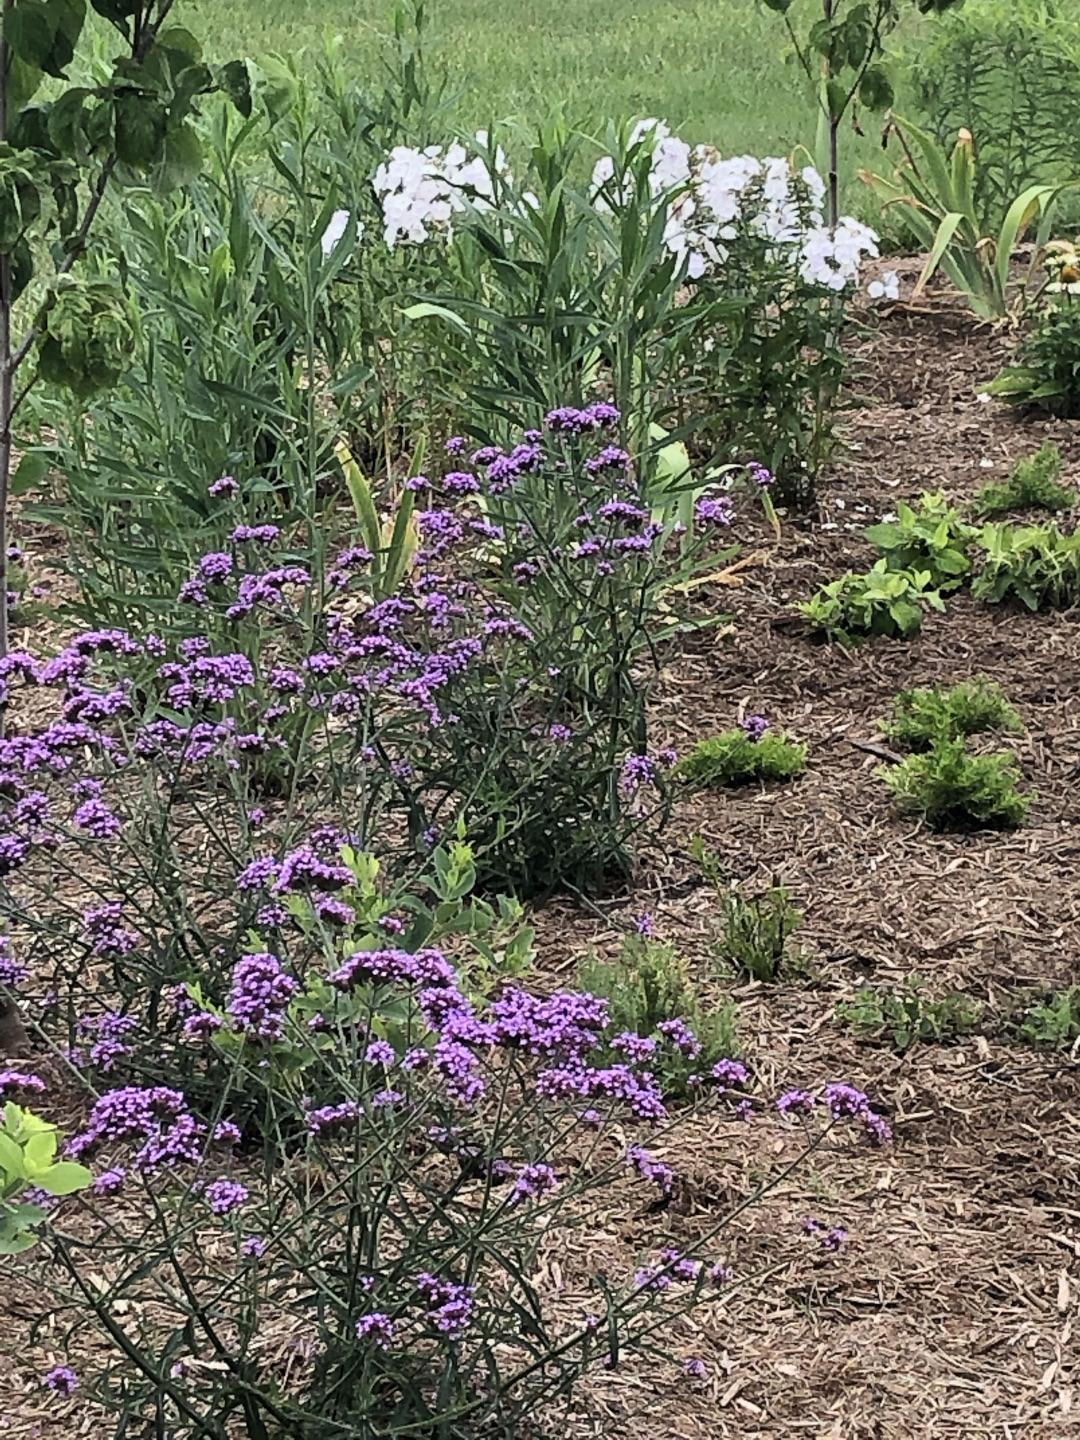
x=181, y=161
x=875, y=89
x=425, y=309
x=23, y=83
x=30, y=31
x=64, y=1178
x=38, y=1151
x=117, y=12
x=141, y=126
x=66, y=117
x=44, y=33
x=31, y=470
x=11, y=1157
x=235, y=80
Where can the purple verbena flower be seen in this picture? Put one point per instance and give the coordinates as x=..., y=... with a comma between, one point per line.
x=378, y=1328
x=729, y=1073
x=109, y=1181
x=754, y=727
x=225, y=1196
x=260, y=996
x=62, y=1380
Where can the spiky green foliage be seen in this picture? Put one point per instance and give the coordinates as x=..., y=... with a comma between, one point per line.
x=1036, y=564
x=909, y=1015
x=649, y=982
x=756, y=932
x=1032, y=485
x=953, y=790
x=732, y=758
x=1007, y=71
x=940, y=713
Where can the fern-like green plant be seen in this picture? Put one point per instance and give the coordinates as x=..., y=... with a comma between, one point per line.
x=920, y=717
x=1032, y=485
x=733, y=758
x=953, y=790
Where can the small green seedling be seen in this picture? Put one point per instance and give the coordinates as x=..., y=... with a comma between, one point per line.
x=929, y=536
x=1036, y=564
x=756, y=932
x=881, y=602
x=909, y=1016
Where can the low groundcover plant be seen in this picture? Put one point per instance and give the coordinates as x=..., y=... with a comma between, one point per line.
x=954, y=790
x=748, y=752
x=922, y=716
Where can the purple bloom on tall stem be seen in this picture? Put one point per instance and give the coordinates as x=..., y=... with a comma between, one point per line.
x=225, y=1196
x=532, y=1182
x=760, y=475
x=261, y=992
x=378, y=1328
x=714, y=510
x=95, y=817
x=729, y=1073
x=225, y=486
x=109, y=1181
x=11, y=1080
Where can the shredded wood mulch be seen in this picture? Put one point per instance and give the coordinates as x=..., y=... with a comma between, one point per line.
x=950, y=1311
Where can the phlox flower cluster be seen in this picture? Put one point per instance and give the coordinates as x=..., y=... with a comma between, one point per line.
x=713, y=199
x=709, y=201
x=422, y=190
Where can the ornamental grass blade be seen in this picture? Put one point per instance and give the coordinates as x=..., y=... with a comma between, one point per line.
x=945, y=232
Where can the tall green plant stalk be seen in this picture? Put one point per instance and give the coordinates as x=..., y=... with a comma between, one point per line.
x=850, y=41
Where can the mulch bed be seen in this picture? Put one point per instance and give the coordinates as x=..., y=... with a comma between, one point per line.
x=950, y=1311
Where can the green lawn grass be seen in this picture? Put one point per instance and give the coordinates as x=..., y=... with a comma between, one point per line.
x=717, y=70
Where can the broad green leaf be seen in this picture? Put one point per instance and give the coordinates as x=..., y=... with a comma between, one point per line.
x=946, y=230
x=875, y=89
x=64, y=1178
x=181, y=161
x=39, y=1151
x=235, y=80
x=11, y=1157
x=141, y=124
x=31, y=470
x=425, y=309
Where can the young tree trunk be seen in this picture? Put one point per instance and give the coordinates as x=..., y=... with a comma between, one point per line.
x=13, y=1037
x=7, y=376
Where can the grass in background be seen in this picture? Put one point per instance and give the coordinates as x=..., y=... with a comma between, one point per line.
x=716, y=70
